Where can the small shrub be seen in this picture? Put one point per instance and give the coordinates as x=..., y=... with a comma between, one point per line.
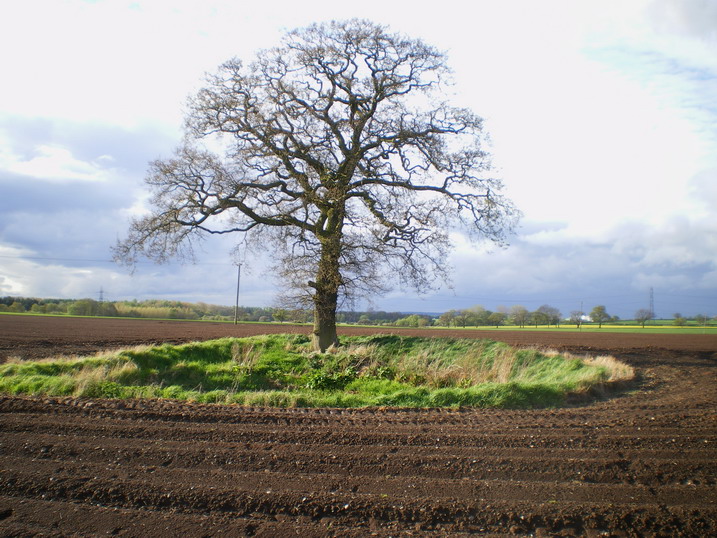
x=101, y=389
x=323, y=380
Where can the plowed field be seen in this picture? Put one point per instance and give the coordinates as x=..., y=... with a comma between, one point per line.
x=639, y=462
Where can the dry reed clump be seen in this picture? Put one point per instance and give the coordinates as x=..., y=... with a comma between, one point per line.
x=357, y=351
x=417, y=368
x=122, y=371
x=245, y=356
x=464, y=370
x=501, y=367
x=474, y=369
x=363, y=358
x=618, y=371
x=87, y=377
x=94, y=374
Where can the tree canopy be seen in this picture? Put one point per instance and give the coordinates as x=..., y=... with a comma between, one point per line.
x=338, y=148
x=599, y=315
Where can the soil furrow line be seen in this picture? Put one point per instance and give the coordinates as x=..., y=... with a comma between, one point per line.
x=357, y=437
x=32, y=517
x=268, y=480
x=371, y=461
x=357, y=510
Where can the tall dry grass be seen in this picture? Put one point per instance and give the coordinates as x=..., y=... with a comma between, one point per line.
x=618, y=371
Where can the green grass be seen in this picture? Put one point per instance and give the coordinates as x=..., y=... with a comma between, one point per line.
x=625, y=328
x=283, y=371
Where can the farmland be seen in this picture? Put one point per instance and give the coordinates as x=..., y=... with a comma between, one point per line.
x=641, y=461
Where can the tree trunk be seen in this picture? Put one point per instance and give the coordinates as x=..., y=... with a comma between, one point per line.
x=328, y=280
x=325, y=334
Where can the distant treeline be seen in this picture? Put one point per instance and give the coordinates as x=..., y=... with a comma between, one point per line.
x=476, y=316
x=180, y=310
x=137, y=309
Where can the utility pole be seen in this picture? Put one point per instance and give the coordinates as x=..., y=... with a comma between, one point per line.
x=102, y=295
x=236, y=304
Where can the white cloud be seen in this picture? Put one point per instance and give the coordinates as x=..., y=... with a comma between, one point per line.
x=11, y=275
x=703, y=188
x=678, y=257
x=210, y=281
x=587, y=129
x=54, y=163
x=120, y=61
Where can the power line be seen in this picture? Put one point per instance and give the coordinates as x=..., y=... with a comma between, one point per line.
x=101, y=261
x=56, y=259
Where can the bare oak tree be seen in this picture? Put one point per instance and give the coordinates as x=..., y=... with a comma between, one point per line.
x=552, y=314
x=576, y=317
x=339, y=151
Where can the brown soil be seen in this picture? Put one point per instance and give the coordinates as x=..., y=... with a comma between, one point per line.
x=641, y=462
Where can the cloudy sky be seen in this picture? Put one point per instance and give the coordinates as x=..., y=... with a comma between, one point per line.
x=603, y=118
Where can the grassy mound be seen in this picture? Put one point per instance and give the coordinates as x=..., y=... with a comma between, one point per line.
x=282, y=370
